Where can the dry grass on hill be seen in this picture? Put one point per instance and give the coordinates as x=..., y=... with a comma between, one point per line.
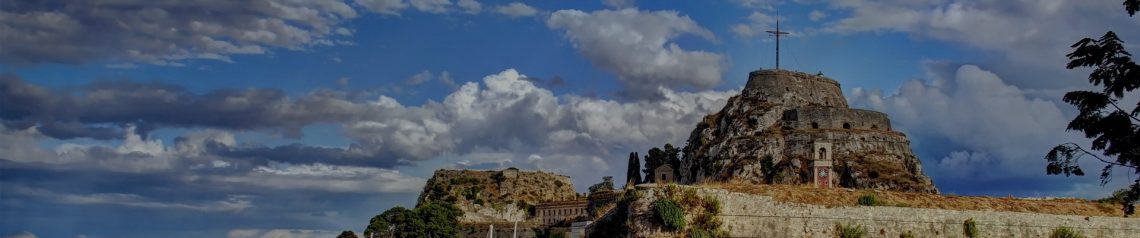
x=849, y=197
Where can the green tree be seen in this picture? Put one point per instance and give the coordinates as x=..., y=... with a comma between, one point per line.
x=653, y=159
x=428, y=220
x=439, y=220
x=1114, y=131
x=633, y=170
x=346, y=234
x=673, y=158
x=607, y=184
x=657, y=157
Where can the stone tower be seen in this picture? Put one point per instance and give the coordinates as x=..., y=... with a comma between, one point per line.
x=783, y=115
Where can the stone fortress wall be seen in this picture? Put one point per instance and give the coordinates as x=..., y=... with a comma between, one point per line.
x=794, y=89
x=749, y=215
x=835, y=118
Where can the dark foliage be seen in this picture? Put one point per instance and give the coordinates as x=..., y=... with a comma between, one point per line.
x=1114, y=131
x=633, y=173
x=656, y=157
x=346, y=234
x=607, y=184
x=430, y=220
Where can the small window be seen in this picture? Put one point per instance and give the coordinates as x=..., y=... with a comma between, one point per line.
x=874, y=126
x=664, y=177
x=814, y=125
x=846, y=125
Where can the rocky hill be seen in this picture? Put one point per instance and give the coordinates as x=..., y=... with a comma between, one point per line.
x=766, y=135
x=496, y=196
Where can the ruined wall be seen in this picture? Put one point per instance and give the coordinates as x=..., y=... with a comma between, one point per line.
x=747, y=215
x=835, y=118
x=794, y=89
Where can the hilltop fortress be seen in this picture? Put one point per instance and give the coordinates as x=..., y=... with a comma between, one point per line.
x=775, y=130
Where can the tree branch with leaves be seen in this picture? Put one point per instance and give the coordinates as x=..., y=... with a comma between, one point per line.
x=1115, y=131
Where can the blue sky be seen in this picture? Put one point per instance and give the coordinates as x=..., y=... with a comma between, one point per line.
x=304, y=118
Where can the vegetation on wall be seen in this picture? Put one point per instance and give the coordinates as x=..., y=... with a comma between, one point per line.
x=1065, y=232
x=850, y=231
x=615, y=223
x=701, y=212
x=669, y=213
x=970, y=228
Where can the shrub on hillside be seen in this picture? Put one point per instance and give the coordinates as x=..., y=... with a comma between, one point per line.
x=670, y=213
x=868, y=200
x=699, y=233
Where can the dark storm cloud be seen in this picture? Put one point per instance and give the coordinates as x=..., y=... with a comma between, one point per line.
x=162, y=32
x=90, y=111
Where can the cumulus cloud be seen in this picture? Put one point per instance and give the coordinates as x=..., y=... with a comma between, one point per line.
x=507, y=112
x=141, y=31
x=1034, y=35
x=639, y=47
x=517, y=9
x=987, y=121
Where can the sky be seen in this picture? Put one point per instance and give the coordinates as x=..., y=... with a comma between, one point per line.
x=288, y=118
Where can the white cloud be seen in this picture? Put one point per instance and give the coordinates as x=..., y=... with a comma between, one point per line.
x=991, y=122
x=758, y=22
x=431, y=6
x=638, y=47
x=138, y=31
x=517, y=9
x=1036, y=34
x=419, y=78
x=233, y=203
x=22, y=234
x=506, y=112
x=386, y=7
x=470, y=6
x=816, y=15
x=619, y=3
x=280, y=233
x=329, y=178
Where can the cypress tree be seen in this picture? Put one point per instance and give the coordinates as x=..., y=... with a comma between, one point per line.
x=633, y=171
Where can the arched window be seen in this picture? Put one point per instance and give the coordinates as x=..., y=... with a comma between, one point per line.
x=874, y=126
x=846, y=125
x=814, y=125
x=822, y=154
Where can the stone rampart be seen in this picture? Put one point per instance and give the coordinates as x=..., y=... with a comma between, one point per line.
x=749, y=215
x=835, y=118
x=794, y=89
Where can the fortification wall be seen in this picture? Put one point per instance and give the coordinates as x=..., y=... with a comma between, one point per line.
x=748, y=215
x=794, y=89
x=835, y=118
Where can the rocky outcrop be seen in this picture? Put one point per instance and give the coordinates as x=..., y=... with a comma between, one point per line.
x=496, y=196
x=766, y=135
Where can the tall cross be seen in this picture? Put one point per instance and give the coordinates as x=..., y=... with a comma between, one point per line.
x=777, y=34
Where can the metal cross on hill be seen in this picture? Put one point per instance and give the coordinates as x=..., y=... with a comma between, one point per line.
x=777, y=34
